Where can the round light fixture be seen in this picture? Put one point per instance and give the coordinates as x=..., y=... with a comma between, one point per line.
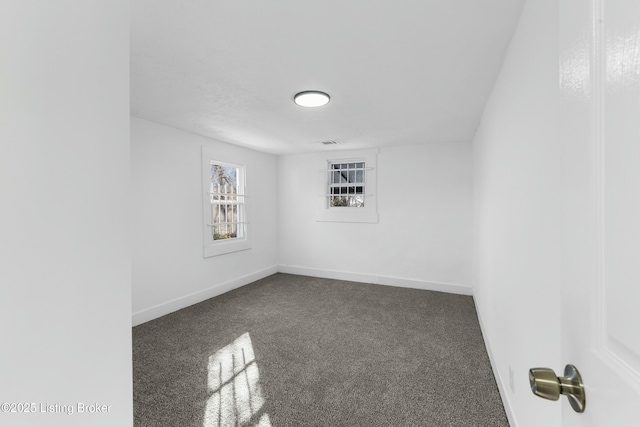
x=311, y=98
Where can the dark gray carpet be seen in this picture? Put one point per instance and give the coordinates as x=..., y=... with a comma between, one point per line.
x=300, y=351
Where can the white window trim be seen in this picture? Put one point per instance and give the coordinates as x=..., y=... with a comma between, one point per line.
x=366, y=214
x=213, y=248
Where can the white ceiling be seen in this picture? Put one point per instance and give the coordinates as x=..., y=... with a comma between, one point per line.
x=399, y=72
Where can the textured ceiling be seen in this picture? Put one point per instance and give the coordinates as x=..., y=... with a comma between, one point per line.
x=398, y=72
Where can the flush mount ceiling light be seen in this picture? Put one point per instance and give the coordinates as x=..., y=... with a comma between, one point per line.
x=311, y=98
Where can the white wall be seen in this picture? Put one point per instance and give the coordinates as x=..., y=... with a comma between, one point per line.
x=517, y=182
x=423, y=238
x=169, y=271
x=65, y=260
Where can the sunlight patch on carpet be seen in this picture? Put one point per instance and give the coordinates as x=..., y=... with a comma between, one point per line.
x=234, y=381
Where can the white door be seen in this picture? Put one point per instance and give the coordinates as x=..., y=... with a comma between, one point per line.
x=600, y=104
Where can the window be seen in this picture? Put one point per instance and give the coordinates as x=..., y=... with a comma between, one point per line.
x=348, y=187
x=224, y=206
x=226, y=191
x=347, y=184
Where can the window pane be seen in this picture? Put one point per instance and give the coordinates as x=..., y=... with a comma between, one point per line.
x=339, y=201
x=341, y=193
x=224, y=179
x=224, y=231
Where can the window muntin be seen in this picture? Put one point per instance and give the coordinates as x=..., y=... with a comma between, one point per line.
x=346, y=184
x=227, y=199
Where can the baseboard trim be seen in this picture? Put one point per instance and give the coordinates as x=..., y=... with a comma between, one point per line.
x=502, y=387
x=176, y=304
x=378, y=280
x=145, y=315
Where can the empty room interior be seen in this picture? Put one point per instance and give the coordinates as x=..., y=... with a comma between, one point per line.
x=322, y=213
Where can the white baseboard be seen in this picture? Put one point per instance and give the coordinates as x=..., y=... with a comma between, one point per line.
x=502, y=385
x=378, y=280
x=176, y=304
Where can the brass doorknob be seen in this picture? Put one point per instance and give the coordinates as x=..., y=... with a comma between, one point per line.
x=545, y=384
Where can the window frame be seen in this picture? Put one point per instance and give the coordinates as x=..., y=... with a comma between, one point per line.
x=363, y=214
x=213, y=247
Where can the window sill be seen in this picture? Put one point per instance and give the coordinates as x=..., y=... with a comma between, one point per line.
x=347, y=215
x=221, y=248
